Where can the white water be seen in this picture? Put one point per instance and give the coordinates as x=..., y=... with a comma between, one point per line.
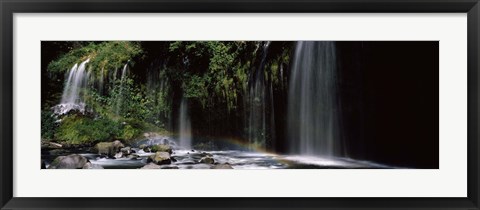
x=312, y=101
x=185, y=137
x=187, y=159
x=72, y=98
x=120, y=94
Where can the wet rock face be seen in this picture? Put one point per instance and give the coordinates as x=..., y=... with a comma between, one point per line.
x=73, y=161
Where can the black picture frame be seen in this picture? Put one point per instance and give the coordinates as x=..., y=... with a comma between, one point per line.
x=9, y=7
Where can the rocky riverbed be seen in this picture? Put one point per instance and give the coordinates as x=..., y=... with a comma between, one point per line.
x=162, y=153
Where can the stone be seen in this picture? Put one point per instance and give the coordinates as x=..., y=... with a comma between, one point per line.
x=161, y=158
x=151, y=166
x=170, y=167
x=133, y=156
x=126, y=150
x=222, y=166
x=73, y=161
x=90, y=165
x=207, y=160
x=161, y=148
x=108, y=148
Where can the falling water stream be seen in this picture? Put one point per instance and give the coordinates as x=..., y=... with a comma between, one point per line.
x=312, y=100
x=185, y=136
x=72, y=98
x=120, y=94
x=256, y=123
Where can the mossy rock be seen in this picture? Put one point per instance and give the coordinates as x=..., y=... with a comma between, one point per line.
x=161, y=158
x=207, y=160
x=108, y=148
x=161, y=148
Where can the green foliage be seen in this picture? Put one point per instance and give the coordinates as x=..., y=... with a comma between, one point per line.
x=49, y=126
x=130, y=132
x=104, y=55
x=225, y=75
x=212, y=75
x=80, y=129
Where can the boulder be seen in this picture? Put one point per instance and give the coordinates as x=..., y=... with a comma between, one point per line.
x=73, y=161
x=58, y=152
x=126, y=150
x=90, y=165
x=170, y=167
x=108, y=148
x=207, y=160
x=151, y=166
x=143, y=146
x=133, y=156
x=161, y=148
x=161, y=158
x=222, y=166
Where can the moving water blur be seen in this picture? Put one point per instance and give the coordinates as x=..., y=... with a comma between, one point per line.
x=185, y=135
x=312, y=101
x=72, y=98
x=256, y=125
x=120, y=94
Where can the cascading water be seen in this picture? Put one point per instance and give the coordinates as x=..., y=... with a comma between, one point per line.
x=256, y=124
x=72, y=98
x=312, y=101
x=120, y=94
x=185, y=137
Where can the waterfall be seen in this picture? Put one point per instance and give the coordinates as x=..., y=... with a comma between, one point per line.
x=312, y=101
x=256, y=125
x=120, y=93
x=72, y=98
x=184, y=127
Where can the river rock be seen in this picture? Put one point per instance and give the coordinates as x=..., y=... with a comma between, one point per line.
x=108, y=148
x=161, y=148
x=57, y=152
x=170, y=167
x=161, y=158
x=151, y=166
x=133, y=156
x=90, y=165
x=222, y=166
x=207, y=160
x=126, y=150
x=73, y=161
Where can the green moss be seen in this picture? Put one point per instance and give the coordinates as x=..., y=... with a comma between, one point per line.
x=161, y=148
x=78, y=129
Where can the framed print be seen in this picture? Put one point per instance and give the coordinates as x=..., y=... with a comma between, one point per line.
x=249, y=105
